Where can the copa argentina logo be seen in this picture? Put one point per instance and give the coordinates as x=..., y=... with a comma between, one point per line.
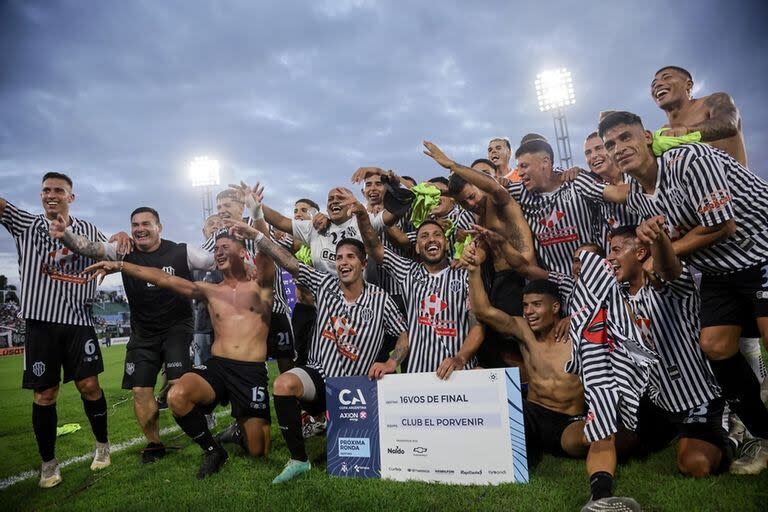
x=347, y=397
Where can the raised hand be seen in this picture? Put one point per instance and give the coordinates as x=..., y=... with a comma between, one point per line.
x=124, y=243
x=491, y=237
x=649, y=231
x=439, y=157
x=57, y=227
x=240, y=229
x=353, y=206
x=320, y=222
x=362, y=172
x=571, y=174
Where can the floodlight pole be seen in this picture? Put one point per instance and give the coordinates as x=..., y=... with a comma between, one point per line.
x=563, y=141
x=207, y=202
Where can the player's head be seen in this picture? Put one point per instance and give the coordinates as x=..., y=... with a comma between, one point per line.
x=499, y=152
x=337, y=213
x=541, y=305
x=229, y=204
x=56, y=194
x=446, y=203
x=373, y=189
x=350, y=260
x=305, y=209
x=228, y=253
x=671, y=85
x=484, y=165
x=534, y=164
x=588, y=247
x=431, y=244
x=597, y=157
x=212, y=224
x=627, y=142
x=627, y=253
x=146, y=228
x=407, y=181
x=467, y=195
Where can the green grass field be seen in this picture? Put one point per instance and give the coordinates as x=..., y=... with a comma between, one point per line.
x=244, y=483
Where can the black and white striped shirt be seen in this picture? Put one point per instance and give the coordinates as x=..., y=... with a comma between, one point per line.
x=614, y=215
x=698, y=185
x=348, y=336
x=53, y=288
x=438, y=311
x=668, y=318
x=561, y=220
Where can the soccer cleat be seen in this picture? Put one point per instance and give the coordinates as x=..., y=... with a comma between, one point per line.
x=101, y=458
x=152, y=453
x=292, y=469
x=231, y=434
x=753, y=458
x=50, y=476
x=213, y=459
x=612, y=504
x=312, y=427
x=737, y=430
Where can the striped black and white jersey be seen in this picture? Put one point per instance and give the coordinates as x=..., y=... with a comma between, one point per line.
x=348, y=335
x=53, y=286
x=668, y=318
x=698, y=185
x=438, y=311
x=565, y=286
x=561, y=220
x=614, y=215
x=279, y=302
x=386, y=280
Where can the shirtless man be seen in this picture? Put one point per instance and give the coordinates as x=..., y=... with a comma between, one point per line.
x=715, y=116
x=236, y=372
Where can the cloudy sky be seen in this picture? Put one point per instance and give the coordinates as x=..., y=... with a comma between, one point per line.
x=121, y=95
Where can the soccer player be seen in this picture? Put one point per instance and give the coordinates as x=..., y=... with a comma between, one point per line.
x=684, y=400
x=161, y=321
x=715, y=116
x=443, y=335
x=203, y=337
x=499, y=153
x=59, y=323
x=716, y=212
x=352, y=318
x=240, y=310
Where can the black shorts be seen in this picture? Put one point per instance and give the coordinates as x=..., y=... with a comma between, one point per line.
x=505, y=293
x=50, y=346
x=145, y=355
x=240, y=383
x=657, y=427
x=544, y=428
x=280, y=337
x=303, y=322
x=316, y=405
x=735, y=299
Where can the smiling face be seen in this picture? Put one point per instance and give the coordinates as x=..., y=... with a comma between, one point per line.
x=540, y=311
x=670, y=87
x=471, y=198
x=627, y=256
x=598, y=160
x=349, y=266
x=534, y=170
x=576, y=262
x=446, y=203
x=228, y=254
x=336, y=212
x=229, y=208
x=303, y=211
x=56, y=196
x=373, y=190
x=629, y=147
x=431, y=244
x=145, y=231
x=212, y=224
x=499, y=153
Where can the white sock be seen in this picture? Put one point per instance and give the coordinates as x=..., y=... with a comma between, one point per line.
x=750, y=349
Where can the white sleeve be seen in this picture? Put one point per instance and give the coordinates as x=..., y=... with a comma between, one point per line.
x=377, y=221
x=199, y=259
x=302, y=230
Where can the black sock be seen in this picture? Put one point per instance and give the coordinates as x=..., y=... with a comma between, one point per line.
x=195, y=426
x=289, y=419
x=742, y=391
x=96, y=410
x=601, y=484
x=44, y=419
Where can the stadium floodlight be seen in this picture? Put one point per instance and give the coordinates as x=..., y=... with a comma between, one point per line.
x=204, y=172
x=554, y=89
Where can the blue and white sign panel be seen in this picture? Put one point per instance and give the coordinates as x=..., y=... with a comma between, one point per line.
x=467, y=430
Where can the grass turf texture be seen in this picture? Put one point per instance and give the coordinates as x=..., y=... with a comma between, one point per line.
x=244, y=483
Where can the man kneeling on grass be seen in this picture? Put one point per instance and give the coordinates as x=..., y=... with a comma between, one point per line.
x=236, y=373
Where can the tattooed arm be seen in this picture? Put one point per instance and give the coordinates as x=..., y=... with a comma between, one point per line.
x=723, y=119
x=80, y=244
x=279, y=254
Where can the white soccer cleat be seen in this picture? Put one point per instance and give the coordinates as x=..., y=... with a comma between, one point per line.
x=313, y=427
x=612, y=504
x=101, y=458
x=754, y=458
x=50, y=476
x=738, y=431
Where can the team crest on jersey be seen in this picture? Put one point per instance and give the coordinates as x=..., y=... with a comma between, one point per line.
x=677, y=196
x=366, y=314
x=566, y=195
x=170, y=271
x=455, y=286
x=38, y=368
x=130, y=368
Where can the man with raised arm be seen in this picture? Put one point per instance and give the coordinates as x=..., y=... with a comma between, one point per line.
x=352, y=318
x=236, y=373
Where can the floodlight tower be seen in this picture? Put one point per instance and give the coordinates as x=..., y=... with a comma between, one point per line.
x=204, y=173
x=554, y=89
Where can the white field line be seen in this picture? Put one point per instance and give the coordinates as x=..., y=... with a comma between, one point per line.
x=34, y=473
